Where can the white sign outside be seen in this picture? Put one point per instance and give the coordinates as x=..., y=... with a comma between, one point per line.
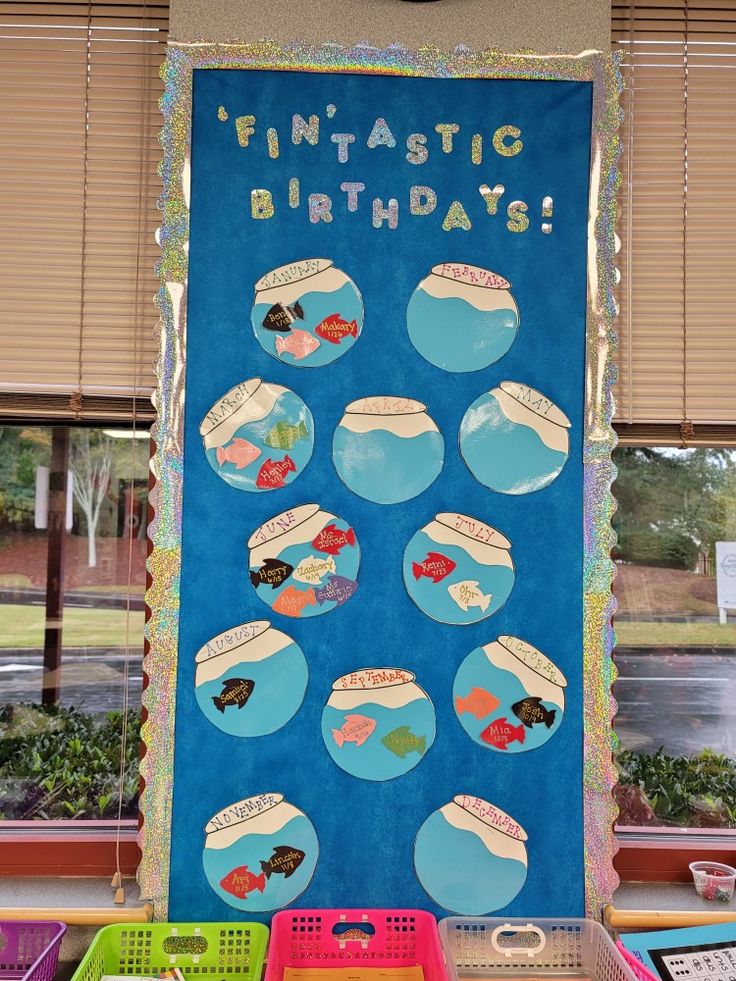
x=726, y=575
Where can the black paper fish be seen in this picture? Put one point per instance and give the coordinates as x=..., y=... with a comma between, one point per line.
x=235, y=691
x=285, y=860
x=280, y=318
x=531, y=711
x=272, y=573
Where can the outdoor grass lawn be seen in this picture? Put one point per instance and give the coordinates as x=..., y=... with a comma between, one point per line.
x=642, y=633
x=23, y=626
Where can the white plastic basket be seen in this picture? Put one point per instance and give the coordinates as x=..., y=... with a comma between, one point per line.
x=487, y=947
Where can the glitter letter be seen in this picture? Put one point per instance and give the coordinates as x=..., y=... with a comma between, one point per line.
x=416, y=205
x=343, y=140
x=300, y=129
x=491, y=196
x=381, y=135
x=476, y=149
x=447, y=130
x=293, y=192
x=272, y=138
x=418, y=152
x=352, y=189
x=320, y=208
x=507, y=149
x=261, y=203
x=381, y=214
x=518, y=221
x=456, y=218
x=222, y=114
x=245, y=128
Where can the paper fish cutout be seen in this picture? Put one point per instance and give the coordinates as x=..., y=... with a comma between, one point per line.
x=284, y=861
x=280, y=317
x=313, y=570
x=272, y=573
x=272, y=473
x=479, y=703
x=357, y=729
x=235, y=691
x=338, y=590
x=283, y=435
x=240, y=452
x=299, y=343
x=402, y=741
x=240, y=882
x=467, y=594
x=334, y=328
x=435, y=567
x=332, y=540
x=500, y=733
x=531, y=711
x=292, y=601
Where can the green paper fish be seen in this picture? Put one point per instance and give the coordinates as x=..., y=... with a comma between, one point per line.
x=402, y=741
x=283, y=435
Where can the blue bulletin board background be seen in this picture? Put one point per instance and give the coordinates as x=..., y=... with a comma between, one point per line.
x=366, y=830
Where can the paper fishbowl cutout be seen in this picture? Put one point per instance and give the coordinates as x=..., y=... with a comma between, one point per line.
x=378, y=723
x=304, y=562
x=251, y=679
x=458, y=569
x=307, y=313
x=387, y=449
x=508, y=696
x=259, y=436
x=260, y=853
x=462, y=318
x=470, y=856
x=514, y=439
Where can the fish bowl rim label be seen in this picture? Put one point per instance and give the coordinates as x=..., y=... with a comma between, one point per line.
x=393, y=405
x=362, y=679
x=283, y=275
x=241, y=811
x=490, y=815
x=538, y=662
x=450, y=519
x=535, y=402
x=463, y=272
x=230, y=402
x=299, y=514
x=259, y=628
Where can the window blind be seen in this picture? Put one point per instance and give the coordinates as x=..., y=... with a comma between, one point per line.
x=677, y=328
x=79, y=122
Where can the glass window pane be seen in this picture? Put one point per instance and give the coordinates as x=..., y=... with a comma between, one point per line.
x=72, y=580
x=676, y=651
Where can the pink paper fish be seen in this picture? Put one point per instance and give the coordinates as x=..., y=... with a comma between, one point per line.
x=299, y=343
x=240, y=452
x=356, y=730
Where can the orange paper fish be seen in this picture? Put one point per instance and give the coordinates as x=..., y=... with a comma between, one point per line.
x=292, y=601
x=240, y=452
x=479, y=703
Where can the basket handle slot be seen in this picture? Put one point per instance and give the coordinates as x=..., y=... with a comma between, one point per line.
x=349, y=933
x=194, y=945
x=513, y=940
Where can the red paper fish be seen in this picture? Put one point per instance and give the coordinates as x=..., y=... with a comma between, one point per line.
x=331, y=539
x=272, y=473
x=240, y=452
x=435, y=567
x=500, y=734
x=334, y=328
x=240, y=882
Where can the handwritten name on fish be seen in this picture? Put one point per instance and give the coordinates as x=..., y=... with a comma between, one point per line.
x=531, y=712
x=235, y=691
x=356, y=729
x=500, y=733
x=402, y=741
x=273, y=472
x=284, y=861
x=272, y=573
x=435, y=567
x=240, y=882
x=478, y=702
x=281, y=317
x=332, y=539
x=292, y=601
x=299, y=343
x=338, y=590
x=334, y=328
x=313, y=570
x=467, y=594
x=240, y=452
x=283, y=435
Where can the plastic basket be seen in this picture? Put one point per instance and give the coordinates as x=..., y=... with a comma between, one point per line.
x=30, y=950
x=340, y=937
x=640, y=971
x=488, y=947
x=199, y=950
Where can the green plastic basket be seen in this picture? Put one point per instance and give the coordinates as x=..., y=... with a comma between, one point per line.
x=234, y=951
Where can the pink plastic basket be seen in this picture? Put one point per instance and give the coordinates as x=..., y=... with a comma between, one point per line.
x=640, y=970
x=29, y=951
x=339, y=937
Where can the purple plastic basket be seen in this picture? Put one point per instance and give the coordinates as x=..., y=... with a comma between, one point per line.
x=29, y=950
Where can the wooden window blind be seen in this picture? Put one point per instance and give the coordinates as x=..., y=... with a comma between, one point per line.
x=677, y=328
x=79, y=151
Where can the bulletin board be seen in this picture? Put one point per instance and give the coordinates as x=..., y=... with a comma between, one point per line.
x=379, y=645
